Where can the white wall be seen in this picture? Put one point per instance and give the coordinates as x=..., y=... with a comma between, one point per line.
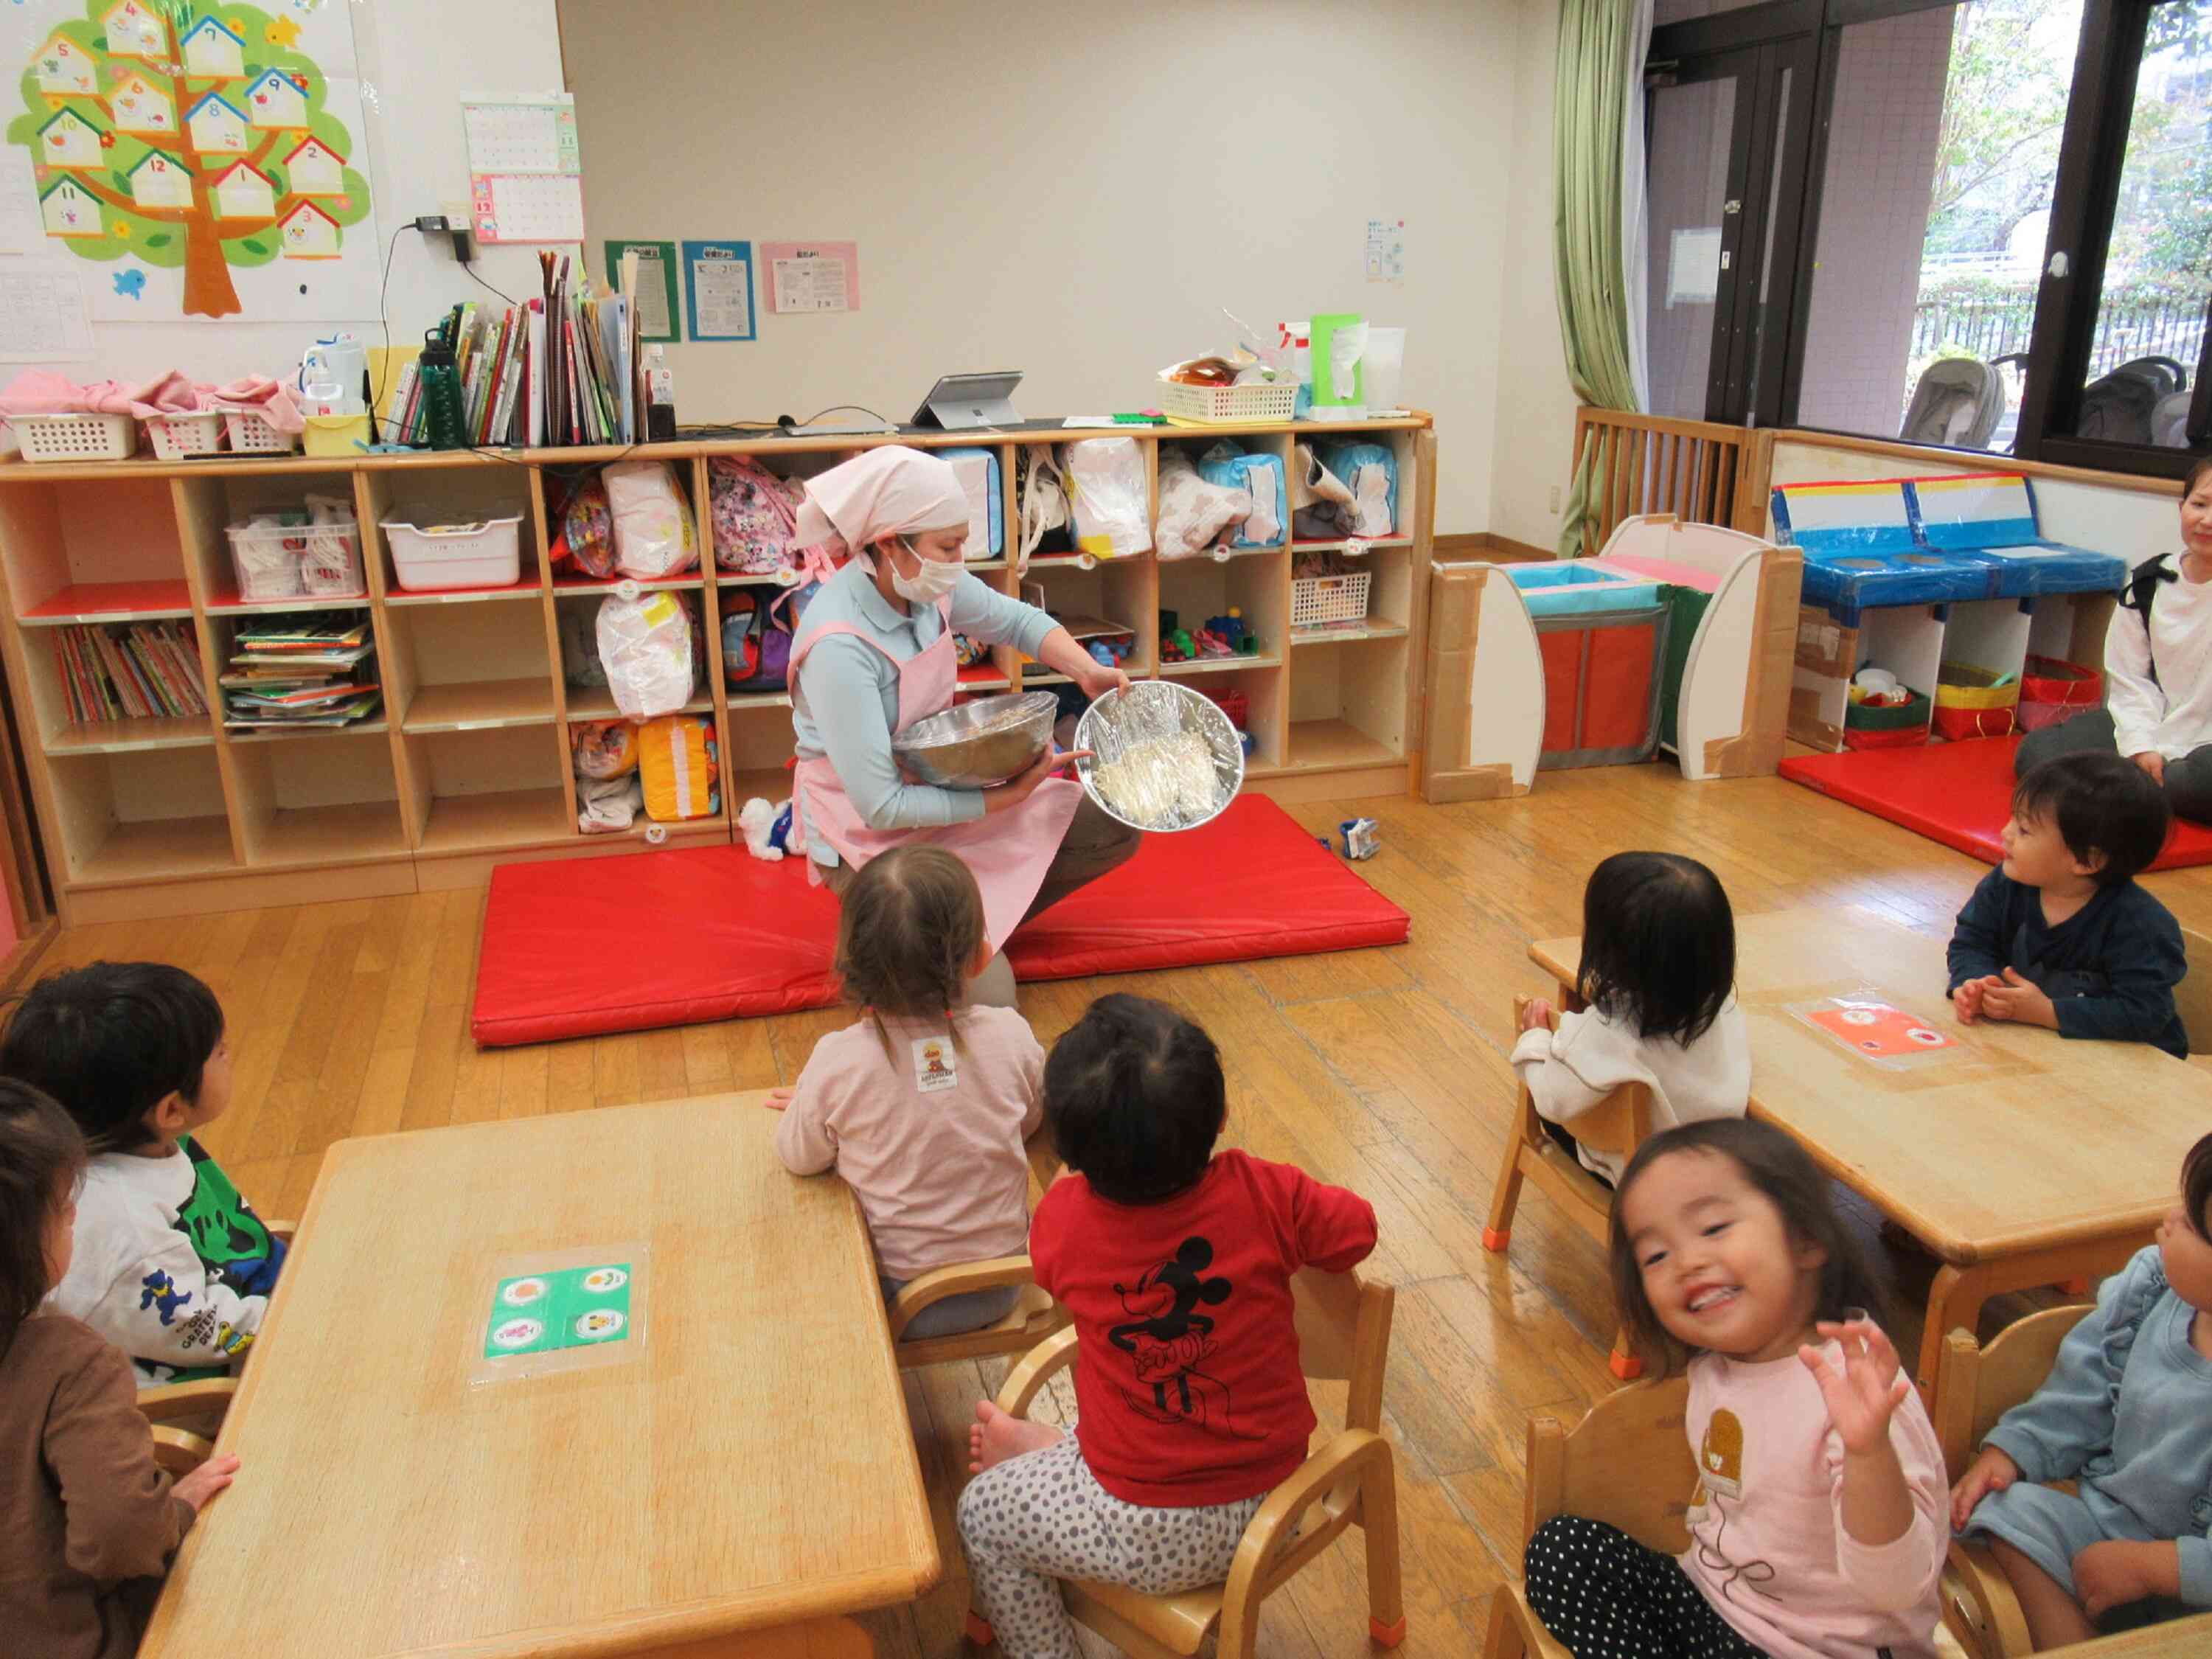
x=1076, y=190
x=420, y=55
x=1536, y=404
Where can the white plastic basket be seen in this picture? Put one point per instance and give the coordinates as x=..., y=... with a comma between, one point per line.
x=487, y=554
x=176, y=436
x=1327, y=601
x=1228, y=405
x=76, y=437
x=302, y=561
x=252, y=434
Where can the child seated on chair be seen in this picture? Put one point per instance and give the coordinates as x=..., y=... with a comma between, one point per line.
x=1176, y=1263
x=2127, y=1413
x=92, y=1520
x=2059, y=935
x=1818, y=1526
x=922, y=1104
x=172, y=1266
x=1658, y=968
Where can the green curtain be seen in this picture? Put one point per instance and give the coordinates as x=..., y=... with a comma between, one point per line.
x=1594, y=73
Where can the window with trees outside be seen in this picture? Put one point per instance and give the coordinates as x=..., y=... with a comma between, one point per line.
x=2005, y=243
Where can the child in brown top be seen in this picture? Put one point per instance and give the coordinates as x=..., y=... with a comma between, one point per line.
x=92, y=1521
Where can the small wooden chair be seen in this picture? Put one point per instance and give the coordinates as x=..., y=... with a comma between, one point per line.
x=2192, y=998
x=1628, y=1464
x=1344, y=1335
x=1619, y=1123
x=1034, y=1316
x=1976, y=1387
x=182, y=1405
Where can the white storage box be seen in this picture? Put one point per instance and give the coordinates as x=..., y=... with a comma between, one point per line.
x=1228, y=405
x=428, y=557
x=252, y=434
x=301, y=561
x=176, y=436
x=1330, y=601
x=76, y=437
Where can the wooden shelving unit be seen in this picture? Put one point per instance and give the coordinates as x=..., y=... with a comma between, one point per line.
x=468, y=766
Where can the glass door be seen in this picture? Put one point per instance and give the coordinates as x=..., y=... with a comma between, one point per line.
x=1697, y=163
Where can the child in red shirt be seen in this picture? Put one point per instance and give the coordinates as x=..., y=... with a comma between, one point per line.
x=1176, y=1264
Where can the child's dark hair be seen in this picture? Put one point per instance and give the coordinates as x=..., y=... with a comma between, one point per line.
x=2100, y=802
x=41, y=1158
x=110, y=1040
x=1658, y=943
x=2197, y=1188
x=1134, y=1098
x=1778, y=1167
x=911, y=927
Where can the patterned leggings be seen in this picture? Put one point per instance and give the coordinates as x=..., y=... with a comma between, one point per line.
x=1608, y=1597
x=1034, y=1519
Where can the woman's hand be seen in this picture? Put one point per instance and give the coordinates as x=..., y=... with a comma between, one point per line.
x=2153, y=763
x=205, y=1481
x=1020, y=789
x=1993, y=1471
x=1100, y=679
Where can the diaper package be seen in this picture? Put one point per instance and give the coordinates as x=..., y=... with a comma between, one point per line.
x=677, y=762
x=645, y=646
x=652, y=531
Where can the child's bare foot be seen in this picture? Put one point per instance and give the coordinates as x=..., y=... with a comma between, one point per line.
x=995, y=1436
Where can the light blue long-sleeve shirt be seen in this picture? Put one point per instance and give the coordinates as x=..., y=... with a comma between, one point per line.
x=2132, y=1420
x=834, y=714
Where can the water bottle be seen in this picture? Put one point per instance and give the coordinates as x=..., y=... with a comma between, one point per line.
x=441, y=392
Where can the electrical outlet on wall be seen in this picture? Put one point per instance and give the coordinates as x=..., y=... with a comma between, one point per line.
x=1554, y=498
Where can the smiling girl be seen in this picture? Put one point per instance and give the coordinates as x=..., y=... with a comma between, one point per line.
x=1818, y=1528
x=2158, y=667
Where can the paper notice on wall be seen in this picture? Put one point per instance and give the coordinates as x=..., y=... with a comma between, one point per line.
x=721, y=275
x=524, y=166
x=1386, y=250
x=1693, y=267
x=813, y=277
x=657, y=311
x=42, y=314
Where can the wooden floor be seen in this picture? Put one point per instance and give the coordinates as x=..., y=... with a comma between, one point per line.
x=1383, y=1071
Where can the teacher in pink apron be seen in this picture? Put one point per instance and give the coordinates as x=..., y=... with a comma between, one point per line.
x=875, y=653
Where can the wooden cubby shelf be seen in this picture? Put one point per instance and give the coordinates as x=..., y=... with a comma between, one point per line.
x=468, y=764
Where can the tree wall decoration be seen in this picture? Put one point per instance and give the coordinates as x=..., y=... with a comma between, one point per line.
x=190, y=135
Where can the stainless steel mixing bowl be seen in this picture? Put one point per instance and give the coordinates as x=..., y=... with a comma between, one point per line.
x=979, y=744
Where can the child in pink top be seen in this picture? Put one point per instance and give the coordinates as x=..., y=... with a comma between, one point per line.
x=1821, y=1522
x=922, y=1104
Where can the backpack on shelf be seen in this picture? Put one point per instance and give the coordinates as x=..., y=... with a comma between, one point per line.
x=755, y=514
x=756, y=640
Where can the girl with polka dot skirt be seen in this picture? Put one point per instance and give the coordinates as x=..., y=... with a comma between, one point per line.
x=1175, y=1263
x=1818, y=1527
x=2127, y=1413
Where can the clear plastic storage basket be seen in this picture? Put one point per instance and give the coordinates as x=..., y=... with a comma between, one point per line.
x=1330, y=601
x=297, y=561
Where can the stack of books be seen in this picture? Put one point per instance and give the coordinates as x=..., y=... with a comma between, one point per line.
x=559, y=370
x=148, y=670
x=314, y=669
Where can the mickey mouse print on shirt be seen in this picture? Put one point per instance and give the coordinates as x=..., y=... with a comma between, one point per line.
x=1169, y=1338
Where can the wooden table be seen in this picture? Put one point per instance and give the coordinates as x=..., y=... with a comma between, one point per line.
x=2171, y=1640
x=2019, y=1158
x=749, y=1469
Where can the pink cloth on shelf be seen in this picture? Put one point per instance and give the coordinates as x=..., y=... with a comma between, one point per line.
x=273, y=399
x=43, y=392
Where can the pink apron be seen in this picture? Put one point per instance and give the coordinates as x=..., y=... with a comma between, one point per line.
x=1007, y=852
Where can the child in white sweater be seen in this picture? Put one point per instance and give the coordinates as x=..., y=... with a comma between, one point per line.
x=1658, y=969
x=923, y=1103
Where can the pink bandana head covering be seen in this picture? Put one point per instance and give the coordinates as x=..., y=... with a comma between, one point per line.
x=883, y=492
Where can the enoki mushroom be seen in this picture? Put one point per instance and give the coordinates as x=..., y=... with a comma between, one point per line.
x=1161, y=781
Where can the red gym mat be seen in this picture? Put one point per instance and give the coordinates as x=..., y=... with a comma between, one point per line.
x=574, y=950
x=1959, y=793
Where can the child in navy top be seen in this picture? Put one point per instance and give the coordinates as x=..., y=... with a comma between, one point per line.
x=1176, y=1263
x=2059, y=935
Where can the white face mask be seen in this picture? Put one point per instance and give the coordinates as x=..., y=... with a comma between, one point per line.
x=934, y=581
